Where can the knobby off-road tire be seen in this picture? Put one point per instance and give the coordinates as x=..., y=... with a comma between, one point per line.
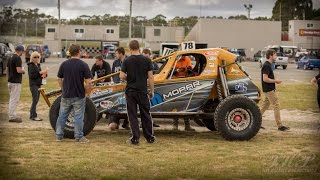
x=237, y=118
x=90, y=117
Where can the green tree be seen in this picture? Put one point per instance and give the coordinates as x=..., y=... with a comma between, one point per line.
x=291, y=9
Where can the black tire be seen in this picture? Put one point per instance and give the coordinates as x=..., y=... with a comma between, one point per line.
x=90, y=117
x=242, y=107
x=284, y=66
x=209, y=123
x=276, y=67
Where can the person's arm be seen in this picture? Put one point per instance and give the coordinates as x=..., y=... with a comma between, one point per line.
x=93, y=71
x=33, y=72
x=314, y=81
x=20, y=70
x=123, y=75
x=87, y=85
x=151, y=84
x=60, y=82
x=266, y=79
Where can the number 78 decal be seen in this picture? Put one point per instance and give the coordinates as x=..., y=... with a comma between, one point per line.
x=191, y=45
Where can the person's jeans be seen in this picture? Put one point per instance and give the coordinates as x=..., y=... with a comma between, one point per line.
x=35, y=99
x=68, y=105
x=14, y=92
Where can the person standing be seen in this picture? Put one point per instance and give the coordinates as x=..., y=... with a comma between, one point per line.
x=71, y=77
x=14, y=73
x=316, y=81
x=137, y=70
x=101, y=68
x=269, y=88
x=147, y=53
x=35, y=81
x=116, y=66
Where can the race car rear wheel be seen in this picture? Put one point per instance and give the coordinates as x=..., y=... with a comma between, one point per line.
x=237, y=118
x=90, y=117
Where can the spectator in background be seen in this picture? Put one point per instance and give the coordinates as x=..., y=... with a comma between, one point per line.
x=14, y=73
x=147, y=53
x=71, y=77
x=116, y=66
x=35, y=81
x=101, y=68
x=316, y=81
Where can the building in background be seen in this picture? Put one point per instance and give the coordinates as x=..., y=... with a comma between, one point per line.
x=304, y=34
x=78, y=33
x=251, y=35
x=155, y=35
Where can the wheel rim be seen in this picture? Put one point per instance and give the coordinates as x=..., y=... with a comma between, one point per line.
x=239, y=119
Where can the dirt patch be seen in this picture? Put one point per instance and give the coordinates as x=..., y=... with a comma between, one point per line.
x=300, y=122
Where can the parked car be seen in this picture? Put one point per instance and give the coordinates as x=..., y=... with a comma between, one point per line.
x=5, y=54
x=35, y=47
x=240, y=53
x=281, y=60
x=308, y=62
x=46, y=51
x=109, y=50
x=257, y=56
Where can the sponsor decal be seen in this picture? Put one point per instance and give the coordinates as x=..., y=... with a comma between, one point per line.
x=212, y=58
x=309, y=32
x=234, y=71
x=211, y=53
x=98, y=91
x=241, y=87
x=207, y=72
x=157, y=99
x=106, y=104
x=182, y=89
x=211, y=64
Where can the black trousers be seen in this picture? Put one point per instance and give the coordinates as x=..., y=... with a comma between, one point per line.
x=35, y=99
x=141, y=100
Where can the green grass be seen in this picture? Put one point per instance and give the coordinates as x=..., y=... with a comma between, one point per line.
x=34, y=154
x=292, y=96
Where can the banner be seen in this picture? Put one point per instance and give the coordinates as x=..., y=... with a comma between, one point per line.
x=309, y=32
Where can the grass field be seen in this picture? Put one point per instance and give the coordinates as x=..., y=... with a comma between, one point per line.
x=32, y=153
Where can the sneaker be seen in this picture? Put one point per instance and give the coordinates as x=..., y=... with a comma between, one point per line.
x=283, y=128
x=133, y=141
x=261, y=127
x=82, y=140
x=59, y=139
x=152, y=140
x=36, y=119
x=16, y=120
x=125, y=126
x=155, y=125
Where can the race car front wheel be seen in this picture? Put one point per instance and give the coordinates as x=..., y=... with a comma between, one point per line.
x=237, y=118
x=90, y=117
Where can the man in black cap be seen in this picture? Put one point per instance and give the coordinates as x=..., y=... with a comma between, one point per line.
x=14, y=73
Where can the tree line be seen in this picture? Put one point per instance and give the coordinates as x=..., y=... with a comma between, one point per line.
x=30, y=22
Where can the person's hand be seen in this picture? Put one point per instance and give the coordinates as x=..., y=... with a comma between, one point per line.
x=277, y=81
x=151, y=95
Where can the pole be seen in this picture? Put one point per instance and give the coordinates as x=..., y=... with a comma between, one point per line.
x=59, y=22
x=130, y=20
x=25, y=28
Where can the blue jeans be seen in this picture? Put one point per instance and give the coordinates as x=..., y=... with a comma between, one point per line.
x=67, y=105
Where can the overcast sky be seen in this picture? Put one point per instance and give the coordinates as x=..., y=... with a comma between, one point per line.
x=149, y=8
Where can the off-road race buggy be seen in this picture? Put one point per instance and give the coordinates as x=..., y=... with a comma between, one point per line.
x=217, y=93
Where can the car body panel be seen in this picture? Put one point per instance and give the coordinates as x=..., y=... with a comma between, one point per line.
x=308, y=62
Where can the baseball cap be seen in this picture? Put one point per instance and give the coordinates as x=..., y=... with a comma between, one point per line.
x=19, y=48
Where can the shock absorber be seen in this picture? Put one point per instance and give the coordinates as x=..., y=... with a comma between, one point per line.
x=219, y=91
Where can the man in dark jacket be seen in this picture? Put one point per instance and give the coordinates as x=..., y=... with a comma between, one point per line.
x=116, y=66
x=101, y=68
